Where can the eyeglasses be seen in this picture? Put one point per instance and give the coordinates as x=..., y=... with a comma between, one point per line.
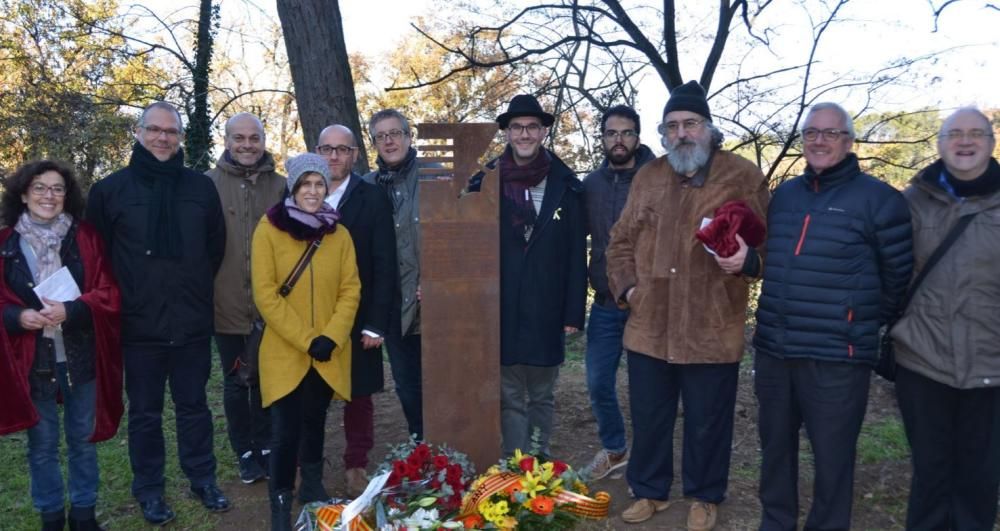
x=972, y=134
x=627, y=134
x=155, y=131
x=671, y=128
x=829, y=135
x=342, y=151
x=40, y=189
x=518, y=129
x=395, y=134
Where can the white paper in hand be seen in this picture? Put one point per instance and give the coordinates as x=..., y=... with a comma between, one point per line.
x=704, y=223
x=59, y=287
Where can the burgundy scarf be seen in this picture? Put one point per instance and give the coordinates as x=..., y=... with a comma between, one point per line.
x=516, y=182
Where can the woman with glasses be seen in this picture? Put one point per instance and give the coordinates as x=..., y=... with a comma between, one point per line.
x=305, y=353
x=57, y=346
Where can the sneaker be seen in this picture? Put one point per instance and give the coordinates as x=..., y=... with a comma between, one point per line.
x=604, y=463
x=250, y=469
x=701, y=516
x=643, y=509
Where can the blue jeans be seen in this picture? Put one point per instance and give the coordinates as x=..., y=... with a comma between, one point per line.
x=43, y=448
x=604, y=353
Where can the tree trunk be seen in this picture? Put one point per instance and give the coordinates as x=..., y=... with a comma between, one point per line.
x=321, y=72
x=198, y=141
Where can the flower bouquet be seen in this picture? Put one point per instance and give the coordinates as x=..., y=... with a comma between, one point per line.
x=526, y=494
x=424, y=488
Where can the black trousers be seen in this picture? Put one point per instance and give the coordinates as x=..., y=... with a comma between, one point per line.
x=829, y=398
x=298, y=421
x=405, y=361
x=954, y=437
x=147, y=371
x=248, y=425
x=709, y=395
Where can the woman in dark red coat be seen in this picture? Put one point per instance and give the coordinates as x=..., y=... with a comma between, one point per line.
x=66, y=349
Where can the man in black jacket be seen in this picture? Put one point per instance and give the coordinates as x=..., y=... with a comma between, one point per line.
x=163, y=225
x=543, y=277
x=839, y=258
x=605, y=191
x=366, y=212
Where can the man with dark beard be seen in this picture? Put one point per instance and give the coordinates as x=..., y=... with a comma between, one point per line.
x=687, y=306
x=605, y=191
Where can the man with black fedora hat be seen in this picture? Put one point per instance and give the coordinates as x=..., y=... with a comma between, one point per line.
x=687, y=304
x=543, y=273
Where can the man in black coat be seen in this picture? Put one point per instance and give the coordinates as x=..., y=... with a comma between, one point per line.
x=367, y=214
x=164, y=229
x=543, y=273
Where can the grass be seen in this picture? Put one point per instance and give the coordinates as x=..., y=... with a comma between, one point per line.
x=116, y=509
x=883, y=441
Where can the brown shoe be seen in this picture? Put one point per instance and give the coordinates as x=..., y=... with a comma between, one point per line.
x=357, y=480
x=701, y=516
x=643, y=509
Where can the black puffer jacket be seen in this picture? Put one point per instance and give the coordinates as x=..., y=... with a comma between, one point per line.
x=78, y=332
x=605, y=191
x=840, y=255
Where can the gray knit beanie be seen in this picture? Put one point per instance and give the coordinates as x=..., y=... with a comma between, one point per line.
x=300, y=165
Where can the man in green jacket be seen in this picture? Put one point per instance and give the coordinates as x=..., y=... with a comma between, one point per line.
x=248, y=185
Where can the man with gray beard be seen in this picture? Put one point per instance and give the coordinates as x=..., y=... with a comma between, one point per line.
x=685, y=331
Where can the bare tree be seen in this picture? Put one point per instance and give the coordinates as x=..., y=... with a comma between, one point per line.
x=597, y=51
x=321, y=71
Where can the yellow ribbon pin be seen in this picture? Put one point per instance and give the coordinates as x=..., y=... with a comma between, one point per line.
x=555, y=215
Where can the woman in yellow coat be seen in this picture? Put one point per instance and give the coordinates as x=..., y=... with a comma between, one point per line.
x=305, y=354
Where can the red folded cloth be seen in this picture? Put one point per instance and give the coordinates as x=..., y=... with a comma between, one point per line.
x=732, y=218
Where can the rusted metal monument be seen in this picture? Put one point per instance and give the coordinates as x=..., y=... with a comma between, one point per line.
x=460, y=292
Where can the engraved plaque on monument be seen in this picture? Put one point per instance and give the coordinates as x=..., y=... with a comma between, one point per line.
x=460, y=292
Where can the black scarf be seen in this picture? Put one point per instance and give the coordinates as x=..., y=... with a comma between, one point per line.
x=517, y=180
x=163, y=236
x=985, y=184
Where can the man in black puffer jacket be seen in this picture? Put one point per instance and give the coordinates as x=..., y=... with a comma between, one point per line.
x=839, y=261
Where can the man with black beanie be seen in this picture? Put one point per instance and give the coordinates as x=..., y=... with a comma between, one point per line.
x=687, y=304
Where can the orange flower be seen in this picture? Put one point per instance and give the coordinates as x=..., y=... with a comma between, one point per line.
x=514, y=488
x=542, y=505
x=473, y=521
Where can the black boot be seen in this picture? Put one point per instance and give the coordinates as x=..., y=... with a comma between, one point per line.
x=281, y=511
x=83, y=519
x=311, y=487
x=54, y=521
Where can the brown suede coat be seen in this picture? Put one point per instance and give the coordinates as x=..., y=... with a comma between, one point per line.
x=685, y=308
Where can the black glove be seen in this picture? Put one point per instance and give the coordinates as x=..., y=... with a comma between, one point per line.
x=321, y=348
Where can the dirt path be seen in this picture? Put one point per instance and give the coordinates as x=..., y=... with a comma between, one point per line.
x=880, y=487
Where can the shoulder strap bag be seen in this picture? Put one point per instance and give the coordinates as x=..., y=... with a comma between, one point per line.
x=886, y=365
x=247, y=366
